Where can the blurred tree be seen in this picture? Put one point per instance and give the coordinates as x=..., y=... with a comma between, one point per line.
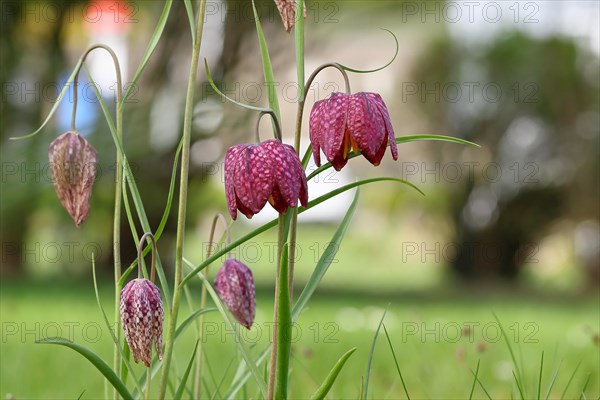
x=532, y=103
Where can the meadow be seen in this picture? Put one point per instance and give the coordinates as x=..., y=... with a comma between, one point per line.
x=438, y=338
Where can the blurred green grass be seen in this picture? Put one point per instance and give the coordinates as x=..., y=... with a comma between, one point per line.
x=438, y=338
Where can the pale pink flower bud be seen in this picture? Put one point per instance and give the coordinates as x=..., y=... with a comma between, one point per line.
x=235, y=286
x=142, y=319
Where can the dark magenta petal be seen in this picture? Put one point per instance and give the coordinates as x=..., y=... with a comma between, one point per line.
x=366, y=126
x=284, y=170
x=253, y=179
x=316, y=129
x=334, y=125
x=235, y=285
x=231, y=158
x=387, y=121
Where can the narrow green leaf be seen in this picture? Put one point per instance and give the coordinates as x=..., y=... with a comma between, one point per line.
x=325, y=260
x=232, y=326
x=137, y=201
x=273, y=223
x=476, y=374
x=332, y=376
x=241, y=376
x=223, y=95
x=186, y=374
x=96, y=361
x=270, y=82
x=398, y=366
x=190, y=14
x=367, y=71
x=183, y=326
x=165, y=217
x=400, y=140
x=283, y=328
x=61, y=95
x=160, y=26
x=570, y=380
x=371, y=353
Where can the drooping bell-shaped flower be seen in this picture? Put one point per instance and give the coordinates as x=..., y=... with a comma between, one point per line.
x=359, y=121
x=257, y=173
x=142, y=319
x=73, y=167
x=235, y=286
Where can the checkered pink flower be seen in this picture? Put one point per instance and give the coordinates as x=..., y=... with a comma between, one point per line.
x=359, y=121
x=142, y=319
x=235, y=286
x=73, y=167
x=257, y=173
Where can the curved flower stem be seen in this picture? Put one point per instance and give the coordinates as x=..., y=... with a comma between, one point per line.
x=275, y=122
x=183, y=187
x=298, y=134
x=141, y=257
x=118, y=186
x=197, y=378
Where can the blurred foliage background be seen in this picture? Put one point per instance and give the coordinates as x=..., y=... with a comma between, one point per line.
x=520, y=214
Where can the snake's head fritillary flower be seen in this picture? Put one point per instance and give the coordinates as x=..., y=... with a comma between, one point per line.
x=73, y=167
x=256, y=173
x=142, y=318
x=235, y=286
x=359, y=121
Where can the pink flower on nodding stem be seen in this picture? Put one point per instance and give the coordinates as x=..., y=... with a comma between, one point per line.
x=257, y=173
x=235, y=286
x=142, y=319
x=359, y=120
x=73, y=168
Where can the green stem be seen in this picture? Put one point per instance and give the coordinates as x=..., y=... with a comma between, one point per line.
x=284, y=329
x=118, y=186
x=274, y=345
x=149, y=375
x=183, y=187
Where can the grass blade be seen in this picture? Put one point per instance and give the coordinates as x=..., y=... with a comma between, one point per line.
x=216, y=255
x=540, y=379
x=325, y=260
x=365, y=392
x=96, y=361
x=267, y=67
x=476, y=374
x=160, y=26
x=332, y=376
x=519, y=376
x=186, y=374
x=55, y=105
x=481, y=384
x=398, y=366
x=518, y=385
x=190, y=14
